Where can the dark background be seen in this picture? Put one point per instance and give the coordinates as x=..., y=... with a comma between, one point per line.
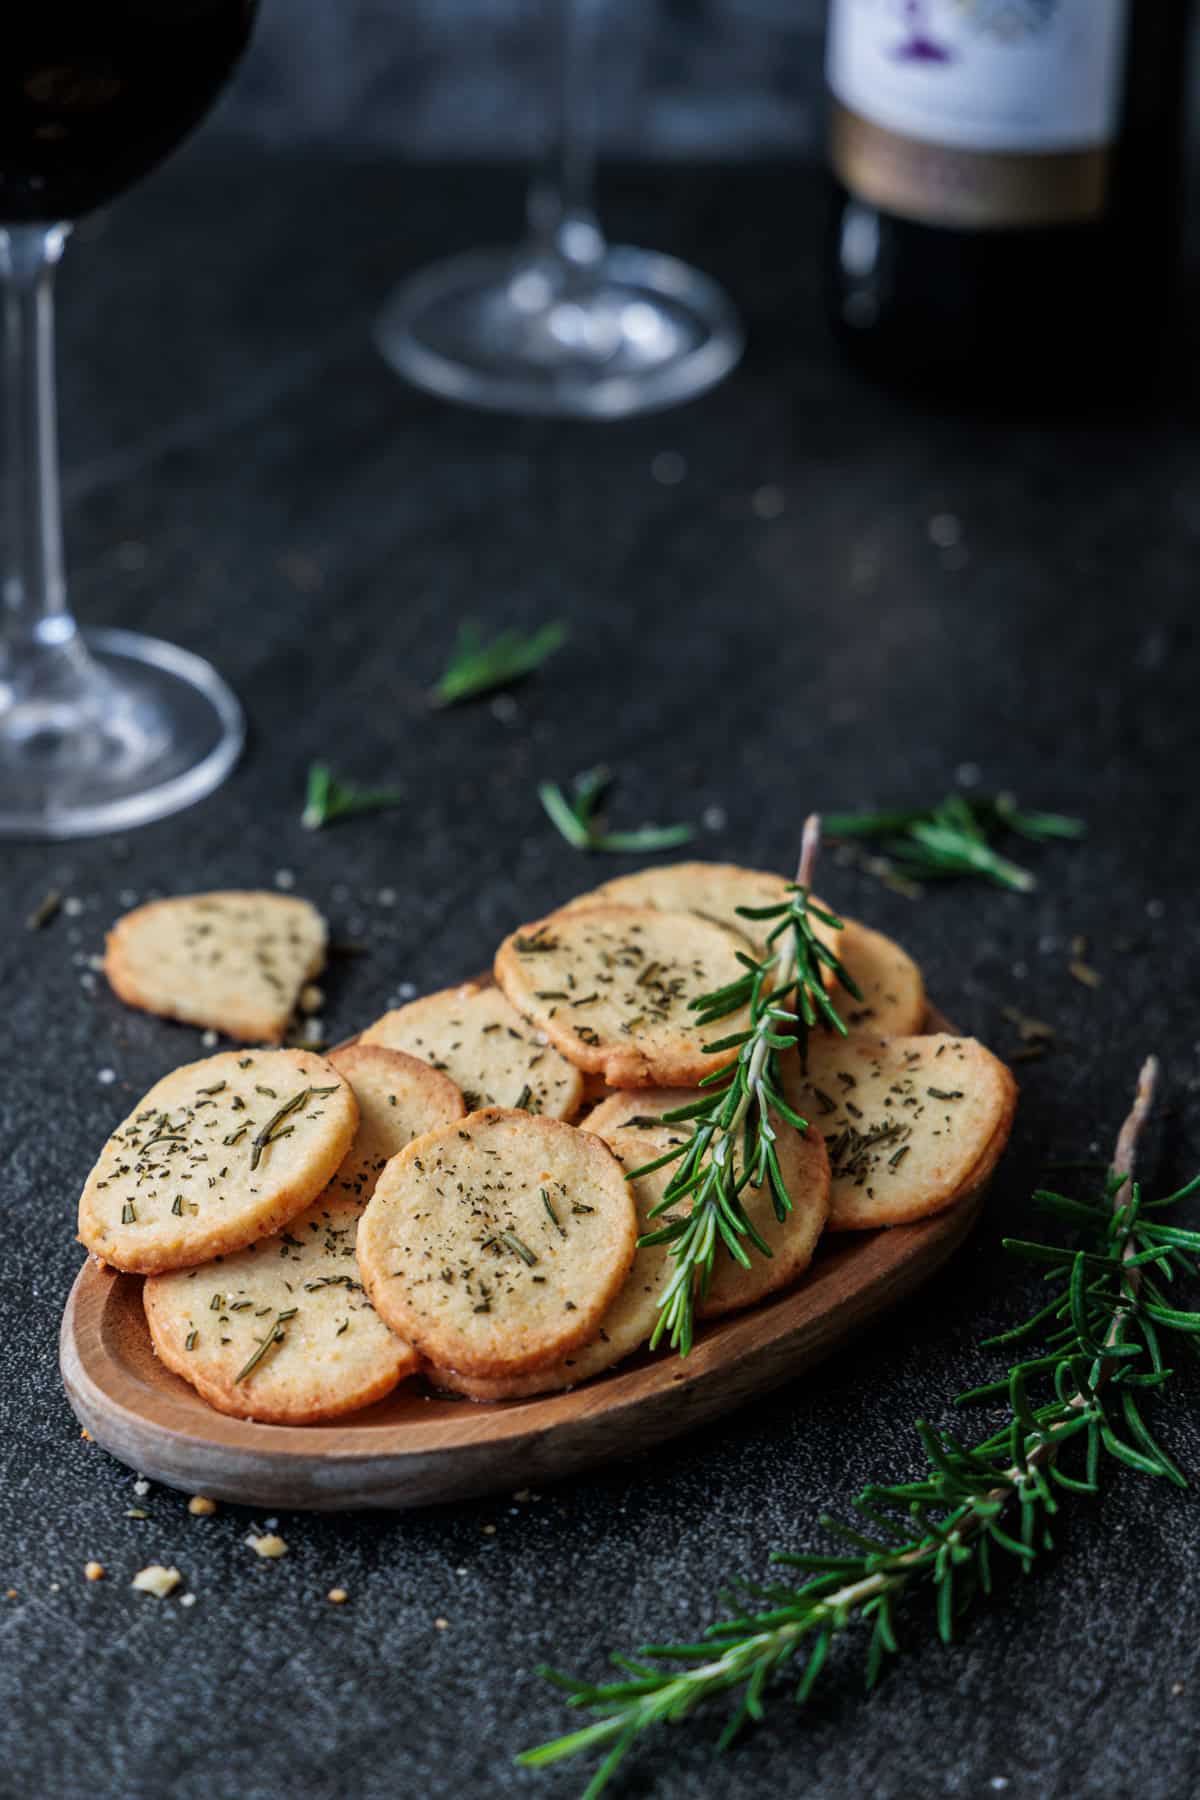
x=770, y=611
x=710, y=78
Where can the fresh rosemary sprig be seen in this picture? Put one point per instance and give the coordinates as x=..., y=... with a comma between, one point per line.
x=731, y=1144
x=956, y=837
x=575, y=818
x=478, y=668
x=329, y=798
x=1102, y=1328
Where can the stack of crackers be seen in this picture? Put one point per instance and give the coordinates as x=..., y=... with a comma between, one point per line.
x=451, y=1195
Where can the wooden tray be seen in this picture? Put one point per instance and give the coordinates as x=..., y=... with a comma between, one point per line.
x=417, y=1447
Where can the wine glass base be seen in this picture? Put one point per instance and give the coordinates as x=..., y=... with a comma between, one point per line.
x=517, y=332
x=130, y=730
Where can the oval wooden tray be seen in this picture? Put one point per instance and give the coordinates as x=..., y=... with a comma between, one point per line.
x=413, y=1449
x=417, y=1447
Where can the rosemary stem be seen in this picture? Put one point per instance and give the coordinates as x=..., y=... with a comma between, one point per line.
x=1014, y=1478
x=784, y=965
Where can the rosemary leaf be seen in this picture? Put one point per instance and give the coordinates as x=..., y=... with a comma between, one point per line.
x=956, y=837
x=329, y=798
x=573, y=819
x=478, y=668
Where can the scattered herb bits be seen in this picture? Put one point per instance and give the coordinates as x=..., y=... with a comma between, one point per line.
x=476, y=667
x=328, y=798
x=957, y=837
x=575, y=818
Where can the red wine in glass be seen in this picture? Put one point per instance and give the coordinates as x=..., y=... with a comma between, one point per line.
x=107, y=729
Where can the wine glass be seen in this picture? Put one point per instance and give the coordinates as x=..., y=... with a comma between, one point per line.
x=99, y=729
x=566, y=323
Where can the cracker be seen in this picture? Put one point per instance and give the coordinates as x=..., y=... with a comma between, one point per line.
x=715, y=890
x=803, y=1163
x=236, y=962
x=626, y=1325
x=399, y=1098
x=335, y=1354
x=912, y=1124
x=497, y=1245
x=893, y=1000
x=299, y=1293
x=479, y=1039
x=610, y=987
x=219, y=1153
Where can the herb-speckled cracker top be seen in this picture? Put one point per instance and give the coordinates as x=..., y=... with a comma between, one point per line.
x=283, y=1330
x=497, y=1245
x=611, y=986
x=219, y=1153
x=479, y=1039
x=626, y=1325
x=715, y=890
x=911, y=1124
x=234, y=961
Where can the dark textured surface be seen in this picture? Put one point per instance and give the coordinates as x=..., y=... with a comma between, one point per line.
x=774, y=629
x=709, y=78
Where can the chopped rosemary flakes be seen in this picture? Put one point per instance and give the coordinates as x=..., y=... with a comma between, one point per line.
x=46, y=909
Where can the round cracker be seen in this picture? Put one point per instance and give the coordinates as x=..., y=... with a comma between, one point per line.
x=611, y=987
x=399, y=1098
x=230, y=960
x=626, y=1325
x=893, y=1000
x=803, y=1163
x=335, y=1354
x=714, y=890
x=300, y=1294
x=911, y=1123
x=479, y=1039
x=497, y=1245
x=189, y=1175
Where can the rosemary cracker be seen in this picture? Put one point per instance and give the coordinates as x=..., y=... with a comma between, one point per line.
x=283, y=1330
x=626, y=1325
x=611, y=986
x=399, y=1098
x=893, y=992
x=496, y=1246
x=714, y=890
x=804, y=1165
x=912, y=1124
x=893, y=1000
x=219, y=1153
x=477, y=1037
x=236, y=962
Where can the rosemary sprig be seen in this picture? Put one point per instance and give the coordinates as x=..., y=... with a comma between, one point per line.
x=957, y=836
x=1103, y=1329
x=732, y=1141
x=478, y=668
x=574, y=818
x=329, y=798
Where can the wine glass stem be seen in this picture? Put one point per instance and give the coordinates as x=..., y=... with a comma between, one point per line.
x=35, y=596
x=562, y=219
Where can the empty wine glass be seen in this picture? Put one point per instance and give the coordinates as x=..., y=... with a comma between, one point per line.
x=99, y=729
x=566, y=323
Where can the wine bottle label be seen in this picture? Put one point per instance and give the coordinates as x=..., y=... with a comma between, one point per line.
x=977, y=113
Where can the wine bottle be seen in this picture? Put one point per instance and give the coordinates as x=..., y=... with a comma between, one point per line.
x=1005, y=188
